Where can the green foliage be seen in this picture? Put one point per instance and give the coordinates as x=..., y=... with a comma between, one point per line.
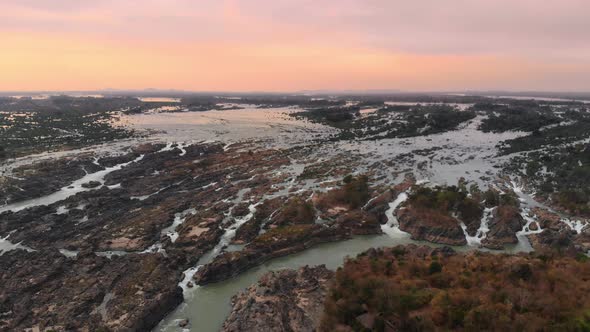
x=354, y=193
x=509, y=199
x=409, y=120
x=30, y=125
x=357, y=191
x=532, y=168
x=474, y=189
x=521, y=271
x=348, y=179
x=578, y=128
x=282, y=233
x=580, y=323
x=546, y=187
x=435, y=267
x=470, y=209
x=339, y=116
x=580, y=257
x=575, y=201
x=491, y=198
x=296, y=211
x=440, y=198
x=518, y=118
x=447, y=199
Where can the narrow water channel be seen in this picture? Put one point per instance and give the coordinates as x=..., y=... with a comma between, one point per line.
x=207, y=306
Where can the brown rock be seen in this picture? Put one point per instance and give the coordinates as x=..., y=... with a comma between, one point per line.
x=505, y=222
x=183, y=323
x=431, y=225
x=286, y=300
x=132, y=292
x=274, y=243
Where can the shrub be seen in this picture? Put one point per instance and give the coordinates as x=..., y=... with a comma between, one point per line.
x=475, y=292
x=435, y=267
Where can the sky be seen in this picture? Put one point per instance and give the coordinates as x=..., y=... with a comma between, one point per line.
x=289, y=45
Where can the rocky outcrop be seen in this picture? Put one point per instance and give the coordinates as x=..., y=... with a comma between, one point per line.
x=193, y=188
x=139, y=200
x=274, y=243
x=505, y=222
x=295, y=211
x=89, y=293
x=358, y=222
x=378, y=205
x=285, y=300
x=557, y=235
x=471, y=213
x=430, y=225
x=104, y=219
x=250, y=230
x=44, y=177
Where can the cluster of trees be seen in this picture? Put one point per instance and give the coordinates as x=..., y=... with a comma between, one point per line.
x=413, y=121
x=505, y=118
x=296, y=211
x=353, y=193
x=408, y=121
x=467, y=203
x=415, y=289
x=52, y=129
x=560, y=174
x=558, y=164
x=339, y=117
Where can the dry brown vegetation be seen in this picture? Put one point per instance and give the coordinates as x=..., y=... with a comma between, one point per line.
x=353, y=193
x=420, y=289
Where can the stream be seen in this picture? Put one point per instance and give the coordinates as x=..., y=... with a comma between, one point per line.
x=69, y=190
x=208, y=306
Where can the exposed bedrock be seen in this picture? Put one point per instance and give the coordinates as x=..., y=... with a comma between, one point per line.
x=430, y=225
x=46, y=290
x=506, y=221
x=276, y=242
x=285, y=300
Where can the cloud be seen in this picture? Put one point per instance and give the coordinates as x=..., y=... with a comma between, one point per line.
x=552, y=28
x=304, y=44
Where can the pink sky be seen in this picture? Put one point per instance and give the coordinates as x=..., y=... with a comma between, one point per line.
x=287, y=45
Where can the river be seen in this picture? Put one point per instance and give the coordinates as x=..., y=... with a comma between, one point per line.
x=467, y=153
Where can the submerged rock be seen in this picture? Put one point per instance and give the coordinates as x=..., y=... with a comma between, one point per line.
x=91, y=184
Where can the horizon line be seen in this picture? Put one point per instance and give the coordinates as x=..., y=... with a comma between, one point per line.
x=297, y=92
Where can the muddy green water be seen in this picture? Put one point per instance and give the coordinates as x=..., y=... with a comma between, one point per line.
x=207, y=306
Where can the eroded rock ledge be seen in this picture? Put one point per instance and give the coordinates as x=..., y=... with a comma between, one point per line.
x=47, y=291
x=285, y=300
x=275, y=243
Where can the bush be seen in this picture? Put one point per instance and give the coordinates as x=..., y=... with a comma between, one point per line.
x=475, y=292
x=435, y=267
x=296, y=211
x=354, y=193
x=490, y=198
x=357, y=191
